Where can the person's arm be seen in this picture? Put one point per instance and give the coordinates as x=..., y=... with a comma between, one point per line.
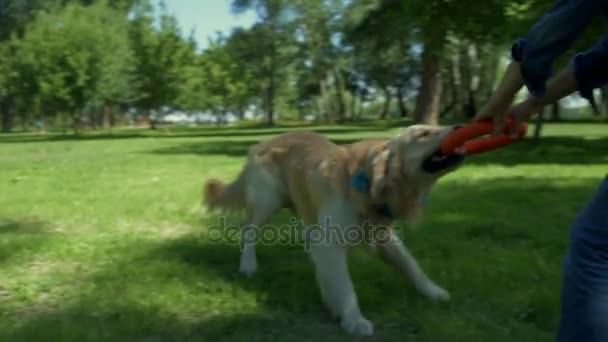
x=559, y=87
x=564, y=84
x=502, y=98
x=587, y=71
x=533, y=56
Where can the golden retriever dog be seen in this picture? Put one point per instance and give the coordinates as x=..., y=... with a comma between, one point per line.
x=365, y=185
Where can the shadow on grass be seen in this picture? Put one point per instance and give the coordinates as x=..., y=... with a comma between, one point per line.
x=551, y=150
x=496, y=246
x=205, y=131
x=117, y=307
x=238, y=148
x=131, y=322
x=216, y=132
x=21, y=238
x=21, y=227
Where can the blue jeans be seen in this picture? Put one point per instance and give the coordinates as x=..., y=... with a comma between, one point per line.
x=584, y=311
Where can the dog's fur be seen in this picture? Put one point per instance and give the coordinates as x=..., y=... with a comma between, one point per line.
x=312, y=176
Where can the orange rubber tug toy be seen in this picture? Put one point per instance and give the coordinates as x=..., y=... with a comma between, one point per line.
x=468, y=138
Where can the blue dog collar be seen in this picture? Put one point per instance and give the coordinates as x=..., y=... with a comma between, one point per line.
x=360, y=182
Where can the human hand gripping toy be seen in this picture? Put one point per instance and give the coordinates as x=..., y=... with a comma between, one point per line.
x=468, y=139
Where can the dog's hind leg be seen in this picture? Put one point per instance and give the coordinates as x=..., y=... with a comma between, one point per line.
x=262, y=204
x=395, y=253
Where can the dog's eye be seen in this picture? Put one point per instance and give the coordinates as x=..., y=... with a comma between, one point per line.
x=423, y=134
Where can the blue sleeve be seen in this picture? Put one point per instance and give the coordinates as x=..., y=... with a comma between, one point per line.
x=550, y=37
x=591, y=69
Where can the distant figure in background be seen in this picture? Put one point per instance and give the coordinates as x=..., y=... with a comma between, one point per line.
x=584, y=307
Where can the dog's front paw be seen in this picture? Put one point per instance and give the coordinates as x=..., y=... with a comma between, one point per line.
x=358, y=326
x=435, y=293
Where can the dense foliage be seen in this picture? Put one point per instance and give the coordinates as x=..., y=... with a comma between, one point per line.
x=93, y=63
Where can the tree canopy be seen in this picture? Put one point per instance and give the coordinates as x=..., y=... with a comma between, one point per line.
x=91, y=63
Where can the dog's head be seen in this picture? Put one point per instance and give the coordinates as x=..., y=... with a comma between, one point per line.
x=409, y=165
x=418, y=149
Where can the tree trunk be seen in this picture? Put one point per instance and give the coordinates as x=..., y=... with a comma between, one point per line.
x=449, y=107
x=403, y=112
x=324, y=103
x=7, y=114
x=270, y=106
x=221, y=119
x=490, y=75
x=458, y=98
x=471, y=104
x=108, y=117
x=65, y=122
x=151, y=120
x=93, y=119
x=272, y=86
x=23, y=119
x=538, y=127
x=361, y=105
x=555, y=112
x=241, y=110
x=339, y=87
x=604, y=95
x=387, y=102
x=76, y=122
x=44, y=121
x=429, y=93
x=353, y=106
x=473, y=86
x=318, y=104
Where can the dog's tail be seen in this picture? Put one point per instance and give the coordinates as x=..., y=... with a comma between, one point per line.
x=226, y=197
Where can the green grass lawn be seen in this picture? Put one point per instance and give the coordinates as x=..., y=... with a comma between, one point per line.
x=102, y=238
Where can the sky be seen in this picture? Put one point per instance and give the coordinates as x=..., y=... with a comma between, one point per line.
x=207, y=17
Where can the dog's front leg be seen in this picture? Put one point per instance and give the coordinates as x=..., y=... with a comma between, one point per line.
x=331, y=268
x=394, y=252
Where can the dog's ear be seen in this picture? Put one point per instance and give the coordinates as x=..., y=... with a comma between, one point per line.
x=380, y=165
